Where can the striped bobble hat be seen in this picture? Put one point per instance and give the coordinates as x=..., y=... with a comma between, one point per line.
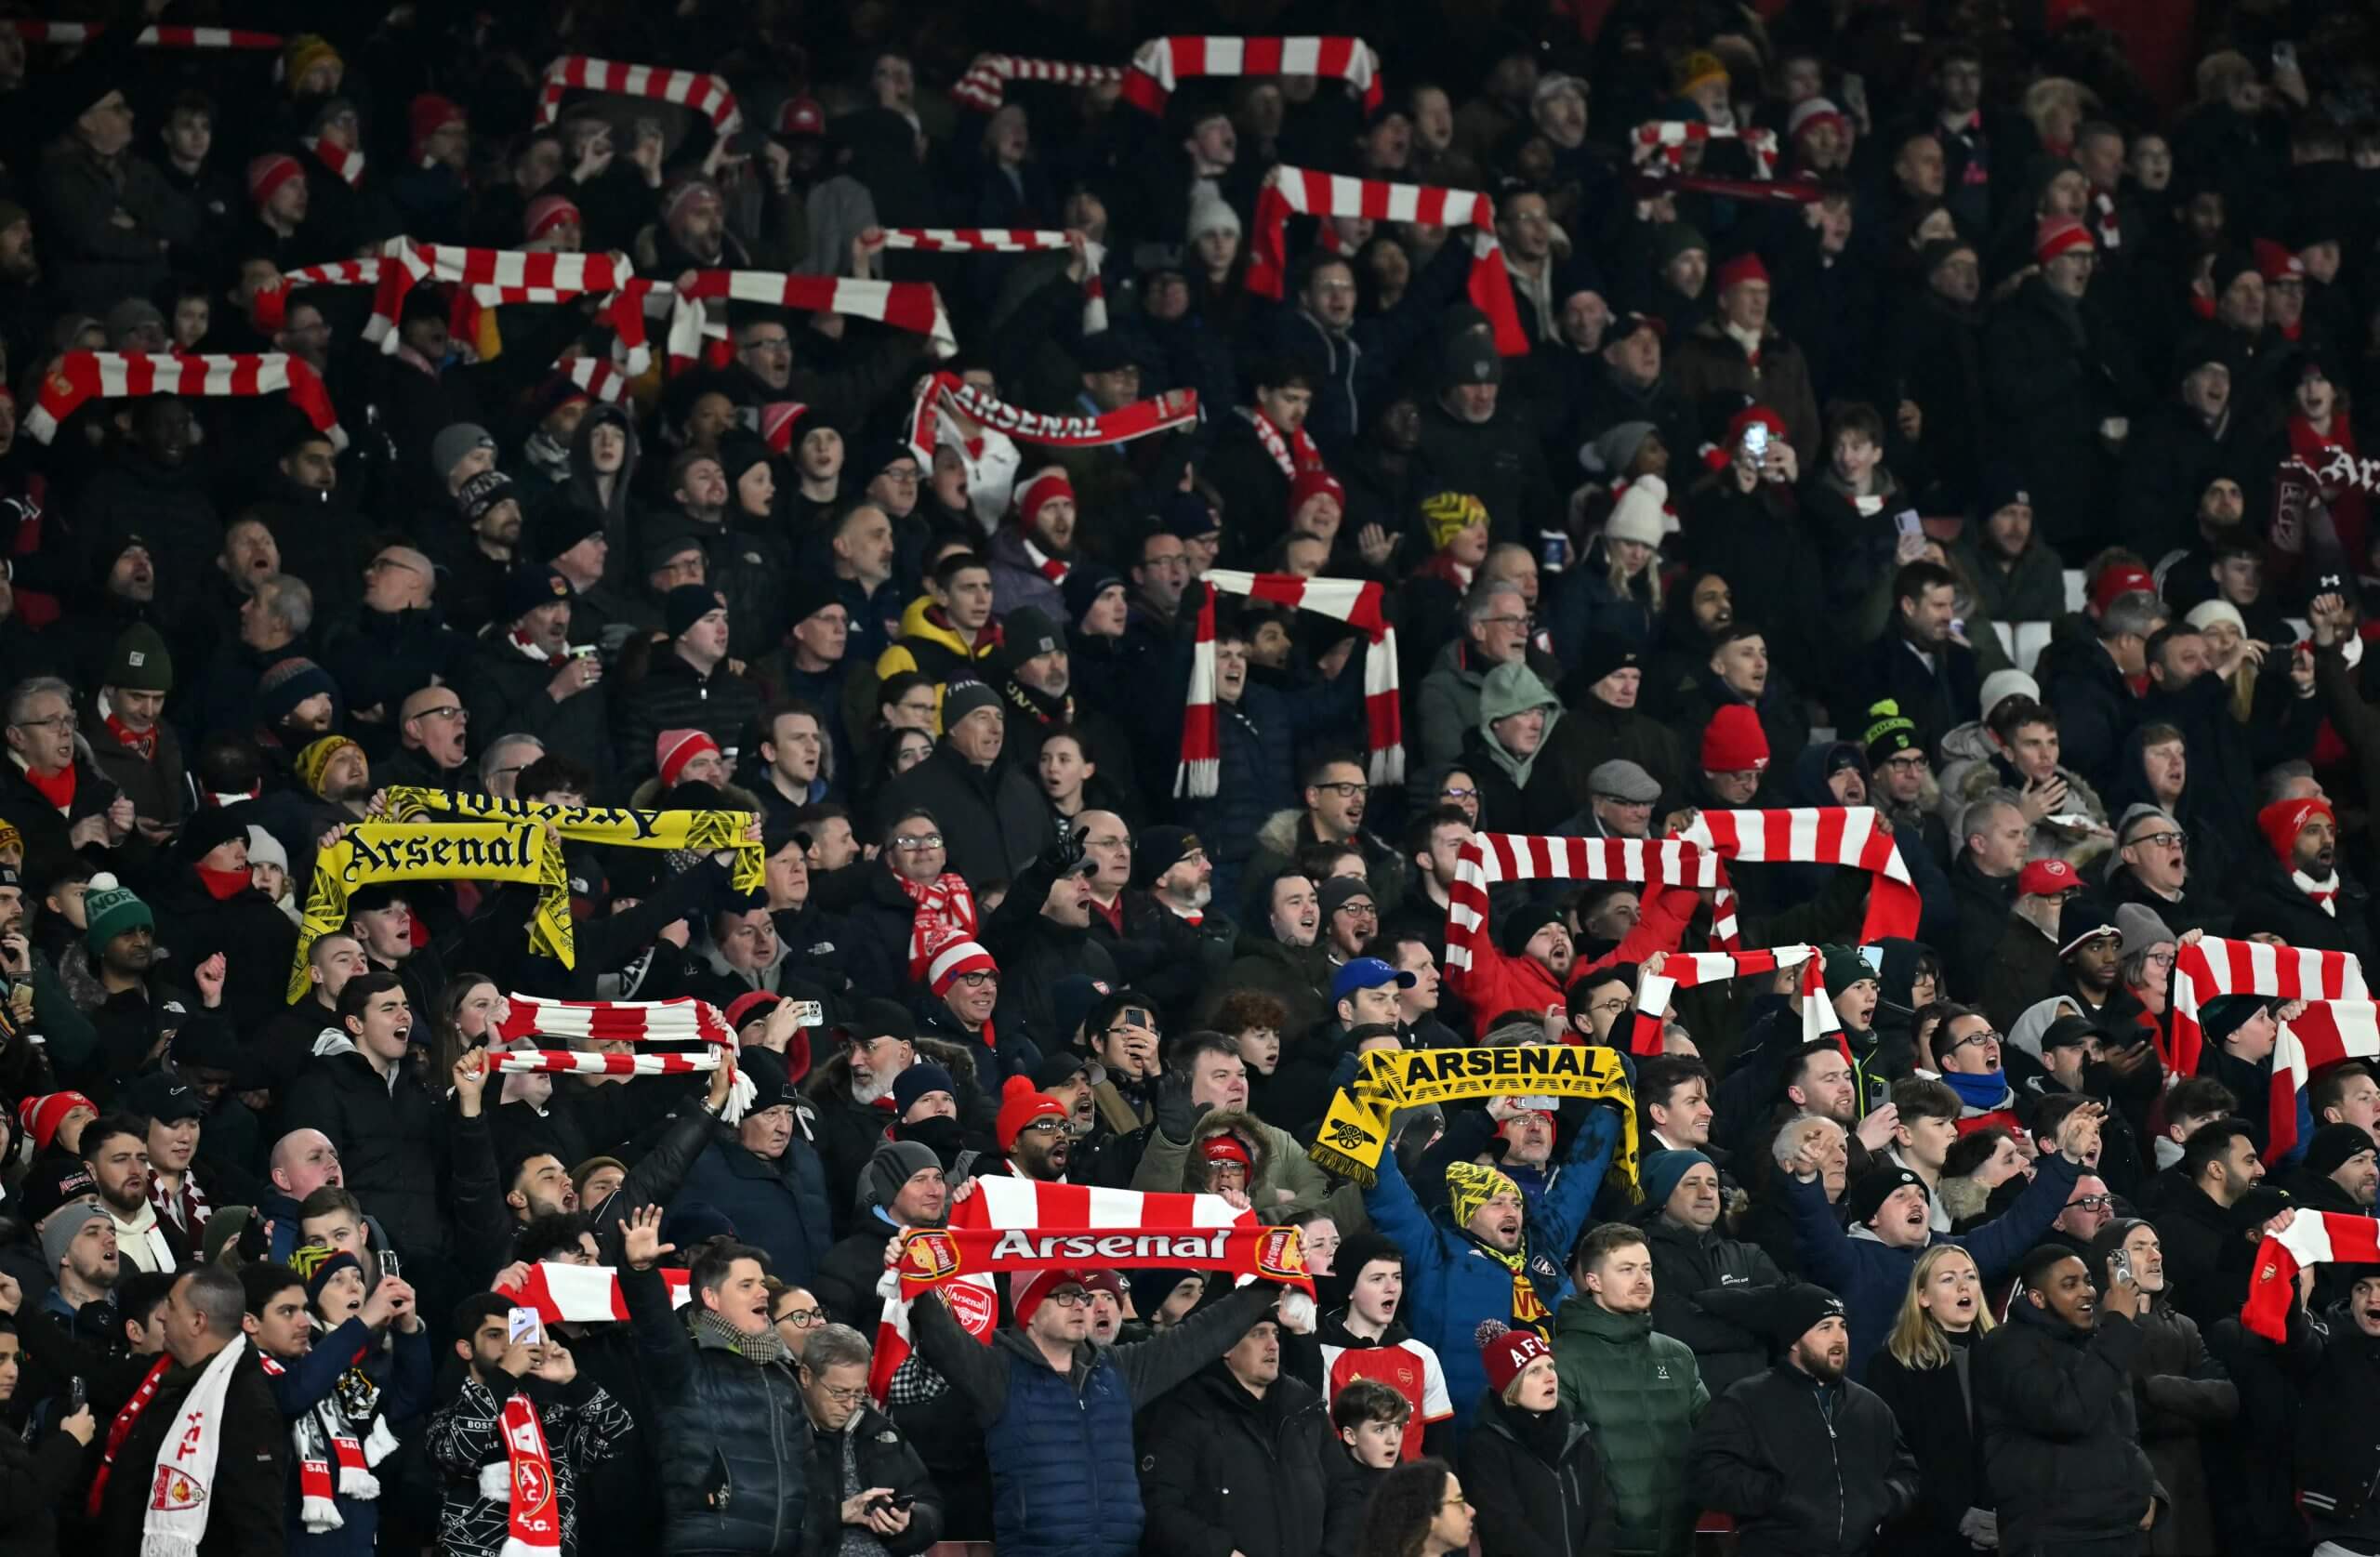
x=316, y=1263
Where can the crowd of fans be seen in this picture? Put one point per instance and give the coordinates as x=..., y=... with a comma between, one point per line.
x=1941, y=407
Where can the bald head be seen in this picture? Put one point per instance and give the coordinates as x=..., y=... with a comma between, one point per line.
x=1106, y=843
x=303, y=1161
x=400, y=578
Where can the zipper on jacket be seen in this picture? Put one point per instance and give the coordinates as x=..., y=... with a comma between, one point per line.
x=1834, y=1448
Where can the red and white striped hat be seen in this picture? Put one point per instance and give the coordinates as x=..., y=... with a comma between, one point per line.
x=958, y=957
x=1045, y=484
x=268, y=172
x=548, y=212
x=2057, y=234
x=675, y=748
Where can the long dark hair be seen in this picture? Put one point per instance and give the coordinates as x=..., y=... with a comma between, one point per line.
x=1403, y=1508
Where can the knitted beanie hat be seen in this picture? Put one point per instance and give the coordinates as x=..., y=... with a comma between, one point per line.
x=672, y=750
x=315, y=759
x=111, y=910
x=287, y=682
x=1021, y=1105
x=139, y=661
x=316, y=1263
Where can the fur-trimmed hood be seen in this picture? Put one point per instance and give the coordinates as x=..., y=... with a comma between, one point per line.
x=1251, y=1132
x=830, y=1081
x=731, y=797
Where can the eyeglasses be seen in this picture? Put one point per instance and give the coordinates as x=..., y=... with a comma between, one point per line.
x=802, y=1318
x=2093, y=1202
x=64, y=723
x=2161, y=840
x=1457, y=792
x=1503, y=621
x=977, y=978
x=913, y=842
x=450, y=711
x=1612, y=1007
x=1071, y=1297
x=1908, y=762
x=1976, y=1040
x=1345, y=789
x=768, y=343
x=844, y=1397
x=1042, y=1127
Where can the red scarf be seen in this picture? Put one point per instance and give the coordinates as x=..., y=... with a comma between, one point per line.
x=943, y=905
x=57, y=788
x=121, y=1429
x=2110, y=228
x=531, y=648
x=534, y=1521
x=1046, y=565
x=1296, y=453
x=223, y=884
x=141, y=741
x=2351, y=511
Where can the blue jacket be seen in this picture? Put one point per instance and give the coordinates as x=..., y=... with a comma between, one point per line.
x=1451, y=1283
x=1261, y=737
x=780, y=1206
x=403, y=1375
x=1871, y=1276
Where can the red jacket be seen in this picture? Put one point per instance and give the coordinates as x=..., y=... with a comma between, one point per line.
x=1495, y=984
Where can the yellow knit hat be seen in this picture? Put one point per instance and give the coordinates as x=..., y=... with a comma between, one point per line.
x=1700, y=67
x=316, y=758
x=1470, y=1186
x=1448, y=514
x=302, y=53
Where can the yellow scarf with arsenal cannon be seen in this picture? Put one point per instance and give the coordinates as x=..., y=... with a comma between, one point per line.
x=621, y=828
x=371, y=852
x=1354, y=1131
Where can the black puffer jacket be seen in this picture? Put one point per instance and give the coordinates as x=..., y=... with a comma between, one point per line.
x=1803, y=1468
x=2061, y=1442
x=735, y=1442
x=505, y=689
x=882, y=1458
x=392, y=1144
x=1686, y=1262
x=1529, y=1506
x=255, y=936
x=1222, y=1472
x=674, y=696
x=35, y=1479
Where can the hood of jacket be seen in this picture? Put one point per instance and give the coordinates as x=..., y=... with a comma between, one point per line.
x=923, y=619
x=1284, y=833
x=1814, y=765
x=2025, y=1032
x=830, y=1079
x=731, y=797
x=1237, y=1122
x=1507, y=690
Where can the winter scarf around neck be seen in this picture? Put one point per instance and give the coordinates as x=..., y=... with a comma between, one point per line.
x=1984, y=1089
x=713, y=1331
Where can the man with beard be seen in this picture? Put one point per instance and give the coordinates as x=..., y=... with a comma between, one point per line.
x=1904, y=790
x=766, y=1179
x=1031, y=557
x=2299, y=892
x=1043, y=699
x=854, y=1108
x=1284, y=959
x=1789, y=1489
x=1918, y=665
x=1172, y=887
x=73, y=1331
x=1528, y=968
x=539, y=1186
x=2053, y=1395
x=1432, y=843
x=116, y=1152
x=490, y=506
x=131, y=743
x=1338, y=793
x=1032, y=1130
x=1633, y=387
x=138, y=1010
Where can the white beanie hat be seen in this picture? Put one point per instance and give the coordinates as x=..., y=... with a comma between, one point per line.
x=1637, y=516
x=2207, y=613
x=2003, y=684
x=1210, y=212
x=265, y=849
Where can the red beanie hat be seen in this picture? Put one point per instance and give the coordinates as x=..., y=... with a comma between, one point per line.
x=1032, y=1287
x=548, y=212
x=1226, y=1147
x=1742, y=267
x=428, y=116
x=1733, y=742
x=268, y=172
x=2054, y=235
x=1308, y=483
x=954, y=957
x=2120, y=578
x=1754, y=414
x=42, y=1116
x=778, y=418
x=2275, y=263
x=1020, y=1105
x=2284, y=820
x=1045, y=485
x=1504, y=1356
x=675, y=748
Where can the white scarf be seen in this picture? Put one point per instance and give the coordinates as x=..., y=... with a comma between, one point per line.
x=141, y=1240
x=2321, y=891
x=183, y=1481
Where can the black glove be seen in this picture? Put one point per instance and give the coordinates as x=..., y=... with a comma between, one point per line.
x=1176, y=1115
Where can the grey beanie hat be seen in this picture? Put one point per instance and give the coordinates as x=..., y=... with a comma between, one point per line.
x=891, y=1166
x=57, y=1229
x=446, y=449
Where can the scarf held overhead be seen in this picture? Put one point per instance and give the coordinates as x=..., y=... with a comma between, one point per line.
x=1817, y=835
x=81, y=376
x=395, y=851
x=1490, y=859
x=2210, y=967
x=1350, y=600
x=905, y=305
x=1015, y=240
x=1354, y=1131
x=944, y=396
x=1161, y=64
x=2326, y=1033
x=2312, y=1238
x=932, y=1256
x=706, y=95
x=700, y=830
x=984, y=86
x=1686, y=970
x=1288, y=192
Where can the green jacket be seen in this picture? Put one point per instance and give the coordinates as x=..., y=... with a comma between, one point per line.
x=1642, y=1394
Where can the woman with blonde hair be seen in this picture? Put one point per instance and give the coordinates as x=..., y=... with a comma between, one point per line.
x=1923, y=1374
x=2057, y=107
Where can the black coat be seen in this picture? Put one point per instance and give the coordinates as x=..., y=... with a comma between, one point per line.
x=1527, y=1506
x=44, y=831
x=993, y=819
x=1796, y=1477
x=1936, y=1409
x=393, y=1144
x=255, y=936
x=1940, y=697
x=245, y=1513
x=505, y=691
x=2096, y=712
x=1935, y=357
x=34, y=1480
x=1497, y=461
x=882, y=1458
x=1769, y=555
x=1222, y=1472
x=674, y=696
x=1984, y=901
x=2053, y=373
x=2208, y=1258
x=379, y=658
x=2061, y=1442
x=1686, y=1262
x=2270, y=901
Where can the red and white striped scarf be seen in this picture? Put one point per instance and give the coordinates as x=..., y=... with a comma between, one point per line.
x=1491, y=859
x=2210, y=967
x=347, y=164
x=1353, y=602
x=679, y=1021
x=1295, y=453
x=1668, y=139
x=946, y=393
x=493, y=278
x=150, y=37
x=1817, y=835
x=706, y=94
x=1685, y=969
x=2324, y=1034
x=1013, y=240
x=532, y=1506
x=1000, y=1201
x=1161, y=64
x=2105, y=221
x=598, y=377
x=984, y=86
x=905, y=305
x=2312, y=1238
x=585, y=1294
x=268, y=309
x=1043, y=564
x=186, y=1211
x=1288, y=192
x=946, y=906
x=86, y=376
